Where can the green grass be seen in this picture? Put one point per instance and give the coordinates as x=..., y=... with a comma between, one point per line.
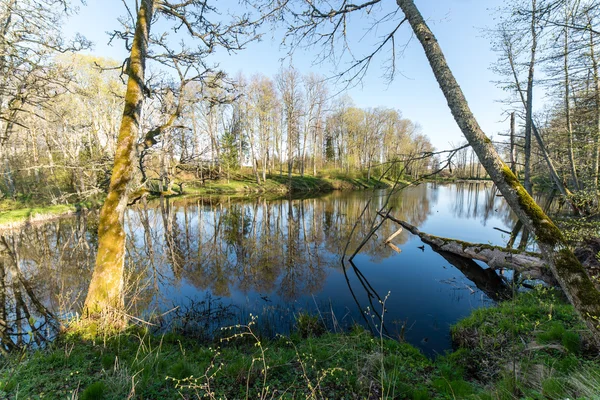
x=348, y=365
x=282, y=184
x=17, y=212
x=24, y=214
x=532, y=347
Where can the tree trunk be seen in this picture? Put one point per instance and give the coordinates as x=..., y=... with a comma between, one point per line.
x=568, y=109
x=314, y=149
x=106, y=287
x=496, y=257
x=290, y=149
x=596, y=148
x=529, y=103
x=567, y=270
x=265, y=164
x=254, y=160
x=553, y=173
x=513, y=145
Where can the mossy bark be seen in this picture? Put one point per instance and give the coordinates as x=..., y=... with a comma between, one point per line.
x=567, y=270
x=105, y=293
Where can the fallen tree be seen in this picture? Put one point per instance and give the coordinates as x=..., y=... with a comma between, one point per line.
x=495, y=286
x=530, y=265
x=566, y=268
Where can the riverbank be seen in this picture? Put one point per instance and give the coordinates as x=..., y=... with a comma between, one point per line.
x=531, y=347
x=15, y=214
x=246, y=184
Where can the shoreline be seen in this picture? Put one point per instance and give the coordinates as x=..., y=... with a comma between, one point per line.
x=36, y=215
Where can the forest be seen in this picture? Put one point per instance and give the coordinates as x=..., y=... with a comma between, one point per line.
x=61, y=120
x=171, y=228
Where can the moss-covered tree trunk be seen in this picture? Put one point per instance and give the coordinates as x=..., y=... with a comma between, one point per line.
x=107, y=285
x=567, y=270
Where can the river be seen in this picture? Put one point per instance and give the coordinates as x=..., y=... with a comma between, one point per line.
x=227, y=257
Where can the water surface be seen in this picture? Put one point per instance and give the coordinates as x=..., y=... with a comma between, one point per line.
x=228, y=257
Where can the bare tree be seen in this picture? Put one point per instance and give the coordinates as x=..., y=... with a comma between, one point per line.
x=106, y=287
x=29, y=78
x=309, y=26
x=288, y=83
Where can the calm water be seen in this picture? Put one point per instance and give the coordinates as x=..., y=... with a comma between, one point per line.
x=227, y=258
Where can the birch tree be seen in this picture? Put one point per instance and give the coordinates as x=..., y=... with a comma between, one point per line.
x=288, y=84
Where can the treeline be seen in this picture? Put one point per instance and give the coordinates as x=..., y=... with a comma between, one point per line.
x=59, y=141
x=548, y=52
x=291, y=124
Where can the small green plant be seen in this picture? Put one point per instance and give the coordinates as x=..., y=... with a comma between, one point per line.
x=8, y=386
x=95, y=391
x=180, y=370
x=552, y=388
x=572, y=342
x=554, y=333
x=309, y=325
x=108, y=361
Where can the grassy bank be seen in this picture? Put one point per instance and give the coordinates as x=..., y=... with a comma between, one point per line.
x=281, y=184
x=16, y=213
x=533, y=347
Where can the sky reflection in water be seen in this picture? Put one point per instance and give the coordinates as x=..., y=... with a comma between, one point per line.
x=277, y=258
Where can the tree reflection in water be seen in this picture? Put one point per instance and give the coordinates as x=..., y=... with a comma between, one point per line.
x=43, y=272
x=255, y=255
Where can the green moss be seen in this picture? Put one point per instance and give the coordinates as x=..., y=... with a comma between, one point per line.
x=570, y=269
x=546, y=232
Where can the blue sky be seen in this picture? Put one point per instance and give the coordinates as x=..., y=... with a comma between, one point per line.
x=457, y=24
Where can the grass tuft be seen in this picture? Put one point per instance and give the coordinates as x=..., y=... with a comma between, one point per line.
x=95, y=391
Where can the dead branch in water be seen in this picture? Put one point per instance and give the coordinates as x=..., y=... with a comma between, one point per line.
x=529, y=264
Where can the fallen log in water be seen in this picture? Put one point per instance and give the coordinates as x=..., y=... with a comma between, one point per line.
x=529, y=264
x=486, y=280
